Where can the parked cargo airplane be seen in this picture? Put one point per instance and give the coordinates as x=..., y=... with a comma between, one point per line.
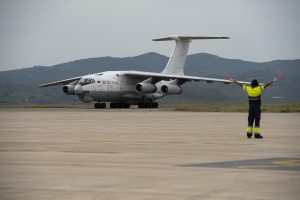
x=125, y=88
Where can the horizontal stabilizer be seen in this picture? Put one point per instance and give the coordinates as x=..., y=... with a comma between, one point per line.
x=177, y=37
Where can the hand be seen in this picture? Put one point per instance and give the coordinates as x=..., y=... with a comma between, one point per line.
x=279, y=75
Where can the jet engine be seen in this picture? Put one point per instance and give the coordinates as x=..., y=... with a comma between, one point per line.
x=171, y=88
x=145, y=87
x=69, y=89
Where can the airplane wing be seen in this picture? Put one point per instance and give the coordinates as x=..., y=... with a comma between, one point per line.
x=156, y=77
x=61, y=82
x=159, y=76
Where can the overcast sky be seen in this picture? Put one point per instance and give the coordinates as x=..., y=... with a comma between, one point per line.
x=48, y=32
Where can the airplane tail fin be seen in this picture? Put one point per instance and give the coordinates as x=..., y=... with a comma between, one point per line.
x=178, y=57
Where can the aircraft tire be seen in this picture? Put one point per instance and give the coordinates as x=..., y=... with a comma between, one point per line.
x=103, y=105
x=154, y=105
x=119, y=105
x=148, y=105
x=100, y=105
x=112, y=105
x=97, y=105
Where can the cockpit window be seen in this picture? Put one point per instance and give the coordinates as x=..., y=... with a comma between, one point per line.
x=86, y=81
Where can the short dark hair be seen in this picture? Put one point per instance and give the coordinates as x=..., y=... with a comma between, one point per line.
x=254, y=83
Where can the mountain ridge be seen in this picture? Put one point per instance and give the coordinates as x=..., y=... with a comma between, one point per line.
x=20, y=85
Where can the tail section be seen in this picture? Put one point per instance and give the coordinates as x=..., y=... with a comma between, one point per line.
x=178, y=57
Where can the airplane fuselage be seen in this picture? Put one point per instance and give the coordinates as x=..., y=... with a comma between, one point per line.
x=111, y=86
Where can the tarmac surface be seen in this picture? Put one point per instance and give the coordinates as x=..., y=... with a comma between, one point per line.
x=142, y=154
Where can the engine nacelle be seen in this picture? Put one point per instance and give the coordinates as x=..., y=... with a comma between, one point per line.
x=145, y=87
x=69, y=89
x=171, y=88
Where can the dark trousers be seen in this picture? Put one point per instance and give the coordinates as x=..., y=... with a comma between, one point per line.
x=254, y=113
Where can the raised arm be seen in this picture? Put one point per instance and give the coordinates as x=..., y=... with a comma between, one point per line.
x=271, y=82
x=229, y=77
x=278, y=76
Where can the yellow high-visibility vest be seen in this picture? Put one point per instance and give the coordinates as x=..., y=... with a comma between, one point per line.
x=253, y=93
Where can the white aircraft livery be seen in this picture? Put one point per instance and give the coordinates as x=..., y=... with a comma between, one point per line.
x=125, y=88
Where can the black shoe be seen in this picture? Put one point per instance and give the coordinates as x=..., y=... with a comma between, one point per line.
x=258, y=136
x=249, y=135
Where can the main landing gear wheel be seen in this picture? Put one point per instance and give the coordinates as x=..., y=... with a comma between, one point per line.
x=100, y=105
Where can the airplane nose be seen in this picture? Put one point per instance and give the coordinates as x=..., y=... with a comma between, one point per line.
x=78, y=89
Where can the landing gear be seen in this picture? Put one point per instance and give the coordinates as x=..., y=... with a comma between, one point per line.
x=119, y=105
x=114, y=105
x=100, y=105
x=148, y=104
